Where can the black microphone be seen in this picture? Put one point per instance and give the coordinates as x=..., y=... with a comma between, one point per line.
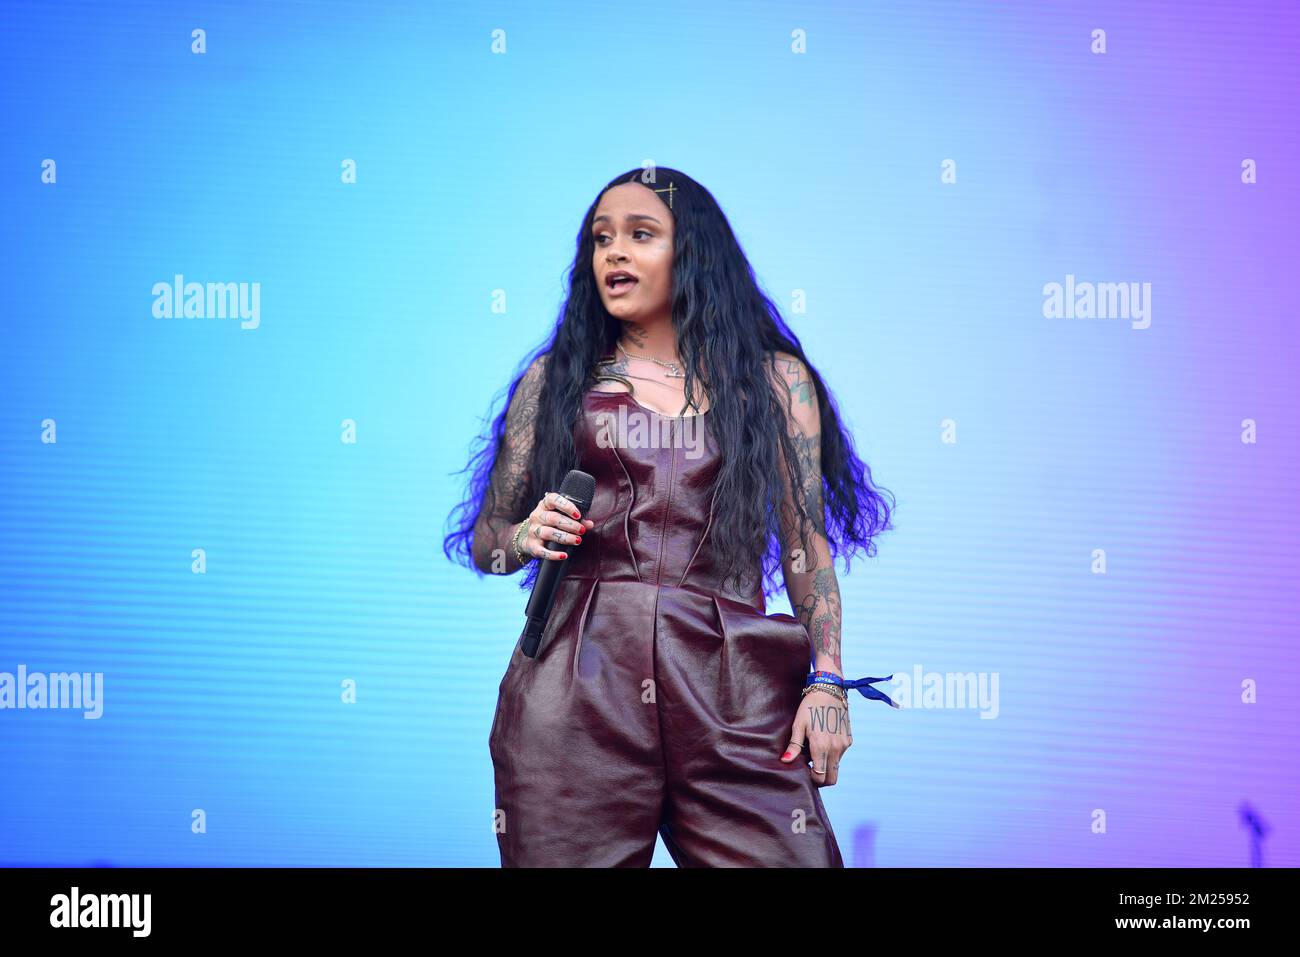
x=578, y=487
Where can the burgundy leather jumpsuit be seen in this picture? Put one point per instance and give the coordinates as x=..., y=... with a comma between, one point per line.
x=658, y=703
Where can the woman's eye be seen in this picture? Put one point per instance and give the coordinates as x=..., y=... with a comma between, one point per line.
x=634, y=232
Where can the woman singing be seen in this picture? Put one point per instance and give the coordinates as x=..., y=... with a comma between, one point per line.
x=663, y=699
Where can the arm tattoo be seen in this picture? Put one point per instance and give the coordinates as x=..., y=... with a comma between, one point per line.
x=808, y=452
x=801, y=386
x=814, y=592
x=819, y=611
x=510, y=476
x=825, y=627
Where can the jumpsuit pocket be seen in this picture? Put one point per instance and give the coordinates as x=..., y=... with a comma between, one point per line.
x=764, y=661
x=753, y=629
x=572, y=598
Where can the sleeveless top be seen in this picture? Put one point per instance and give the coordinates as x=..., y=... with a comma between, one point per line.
x=651, y=550
x=654, y=500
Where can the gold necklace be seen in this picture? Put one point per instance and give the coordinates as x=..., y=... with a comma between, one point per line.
x=673, y=371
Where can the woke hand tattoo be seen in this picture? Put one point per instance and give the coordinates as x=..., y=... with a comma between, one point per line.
x=833, y=719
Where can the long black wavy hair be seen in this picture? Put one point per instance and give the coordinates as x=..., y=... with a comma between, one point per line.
x=727, y=328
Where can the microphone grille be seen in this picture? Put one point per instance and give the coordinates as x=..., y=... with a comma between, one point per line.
x=579, y=487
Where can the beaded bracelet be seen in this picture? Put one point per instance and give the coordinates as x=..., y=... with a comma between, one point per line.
x=829, y=679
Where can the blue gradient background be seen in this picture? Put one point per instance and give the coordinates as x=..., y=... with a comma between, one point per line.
x=1119, y=692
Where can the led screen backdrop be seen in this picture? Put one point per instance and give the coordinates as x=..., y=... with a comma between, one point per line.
x=1042, y=253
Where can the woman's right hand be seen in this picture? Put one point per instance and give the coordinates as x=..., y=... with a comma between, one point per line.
x=555, y=519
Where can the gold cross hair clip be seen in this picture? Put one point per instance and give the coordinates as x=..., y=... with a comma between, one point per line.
x=669, y=190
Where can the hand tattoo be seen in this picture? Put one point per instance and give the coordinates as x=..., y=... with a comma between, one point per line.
x=833, y=719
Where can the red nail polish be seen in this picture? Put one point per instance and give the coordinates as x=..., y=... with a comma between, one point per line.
x=579, y=541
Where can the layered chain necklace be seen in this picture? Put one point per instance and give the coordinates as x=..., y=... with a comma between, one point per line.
x=674, y=372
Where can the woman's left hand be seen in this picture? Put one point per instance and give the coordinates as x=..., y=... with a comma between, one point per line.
x=823, y=722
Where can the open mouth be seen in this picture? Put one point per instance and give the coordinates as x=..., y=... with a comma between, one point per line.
x=620, y=284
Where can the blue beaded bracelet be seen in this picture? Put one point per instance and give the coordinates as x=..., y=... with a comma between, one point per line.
x=862, y=684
